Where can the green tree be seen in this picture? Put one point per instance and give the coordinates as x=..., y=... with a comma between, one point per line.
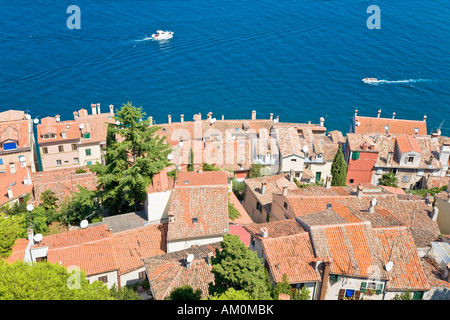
x=124, y=293
x=232, y=294
x=190, y=166
x=302, y=294
x=282, y=287
x=238, y=188
x=403, y=296
x=47, y=281
x=339, y=169
x=209, y=167
x=233, y=213
x=185, y=293
x=49, y=200
x=388, y=179
x=82, y=204
x=11, y=228
x=131, y=160
x=255, y=171
x=235, y=266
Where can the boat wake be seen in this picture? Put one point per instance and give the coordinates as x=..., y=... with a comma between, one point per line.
x=380, y=81
x=144, y=39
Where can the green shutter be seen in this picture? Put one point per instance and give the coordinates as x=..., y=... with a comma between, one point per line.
x=363, y=286
x=355, y=155
x=379, y=288
x=417, y=295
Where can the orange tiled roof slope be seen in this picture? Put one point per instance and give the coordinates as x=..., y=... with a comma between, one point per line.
x=96, y=250
x=169, y=271
x=50, y=125
x=14, y=127
x=15, y=182
x=395, y=126
x=407, y=143
x=95, y=124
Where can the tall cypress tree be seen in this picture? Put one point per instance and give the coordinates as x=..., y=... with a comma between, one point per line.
x=339, y=169
x=132, y=158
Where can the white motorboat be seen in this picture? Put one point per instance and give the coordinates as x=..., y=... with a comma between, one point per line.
x=162, y=35
x=370, y=80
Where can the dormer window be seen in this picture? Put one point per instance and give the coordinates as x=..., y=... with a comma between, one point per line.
x=416, y=130
x=63, y=135
x=49, y=136
x=9, y=146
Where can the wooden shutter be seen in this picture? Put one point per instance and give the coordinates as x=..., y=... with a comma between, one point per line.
x=341, y=294
x=357, y=295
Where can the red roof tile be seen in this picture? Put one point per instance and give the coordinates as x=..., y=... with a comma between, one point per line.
x=407, y=143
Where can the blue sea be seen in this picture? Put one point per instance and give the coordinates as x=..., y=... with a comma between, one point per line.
x=299, y=60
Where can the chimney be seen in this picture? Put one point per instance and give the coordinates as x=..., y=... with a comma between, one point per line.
x=10, y=193
x=209, y=115
x=111, y=108
x=94, y=108
x=446, y=275
x=182, y=117
x=98, y=108
x=264, y=232
x=379, y=113
x=435, y=213
x=425, y=118
x=253, y=115
x=285, y=190
x=328, y=181
x=223, y=117
x=150, y=119
x=171, y=217
x=263, y=187
x=359, y=191
x=326, y=276
x=372, y=205
x=317, y=264
x=58, y=118
x=356, y=112
x=389, y=158
x=209, y=257
x=30, y=234
x=271, y=116
x=364, y=146
x=169, y=119
x=393, y=115
x=291, y=175
x=75, y=115
x=322, y=121
x=278, y=119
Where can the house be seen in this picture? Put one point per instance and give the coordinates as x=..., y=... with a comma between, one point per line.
x=361, y=153
x=73, y=143
x=190, y=267
x=198, y=211
x=17, y=155
x=341, y=253
x=259, y=191
x=111, y=257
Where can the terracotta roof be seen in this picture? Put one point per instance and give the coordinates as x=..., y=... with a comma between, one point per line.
x=240, y=231
x=18, y=250
x=50, y=125
x=198, y=212
x=397, y=245
x=291, y=255
x=274, y=185
x=96, y=250
x=407, y=143
x=96, y=125
x=275, y=229
x=434, y=272
x=161, y=182
x=12, y=115
x=363, y=142
x=167, y=272
x=15, y=131
x=194, y=179
x=396, y=126
x=15, y=182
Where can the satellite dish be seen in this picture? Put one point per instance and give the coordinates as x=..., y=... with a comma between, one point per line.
x=169, y=156
x=305, y=149
x=30, y=207
x=38, y=237
x=374, y=201
x=27, y=116
x=36, y=121
x=389, y=266
x=190, y=258
x=83, y=224
x=22, y=159
x=118, y=122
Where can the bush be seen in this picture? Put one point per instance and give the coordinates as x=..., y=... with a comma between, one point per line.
x=238, y=189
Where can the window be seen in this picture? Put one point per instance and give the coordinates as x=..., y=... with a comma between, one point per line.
x=285, y=205
x=405, y=178
x=12, y=167
x=58, y=162
x=63, y=135
x=355, y=155
x=410, y=159
x=195, y=220
x=87, y=135
x=318, y=176
x=61, y=148
x=258, y=207
x=10, y=146
x=45, y=150
x=294, y=160
x=373, y=286
x=351, y=181
x=103, y=279
x=88, y=152
x=76, y=160
x=74, y=146
x=416, y=130
x=1, y=161
x=89, y=163
x=417, y=295
x=142, y=275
